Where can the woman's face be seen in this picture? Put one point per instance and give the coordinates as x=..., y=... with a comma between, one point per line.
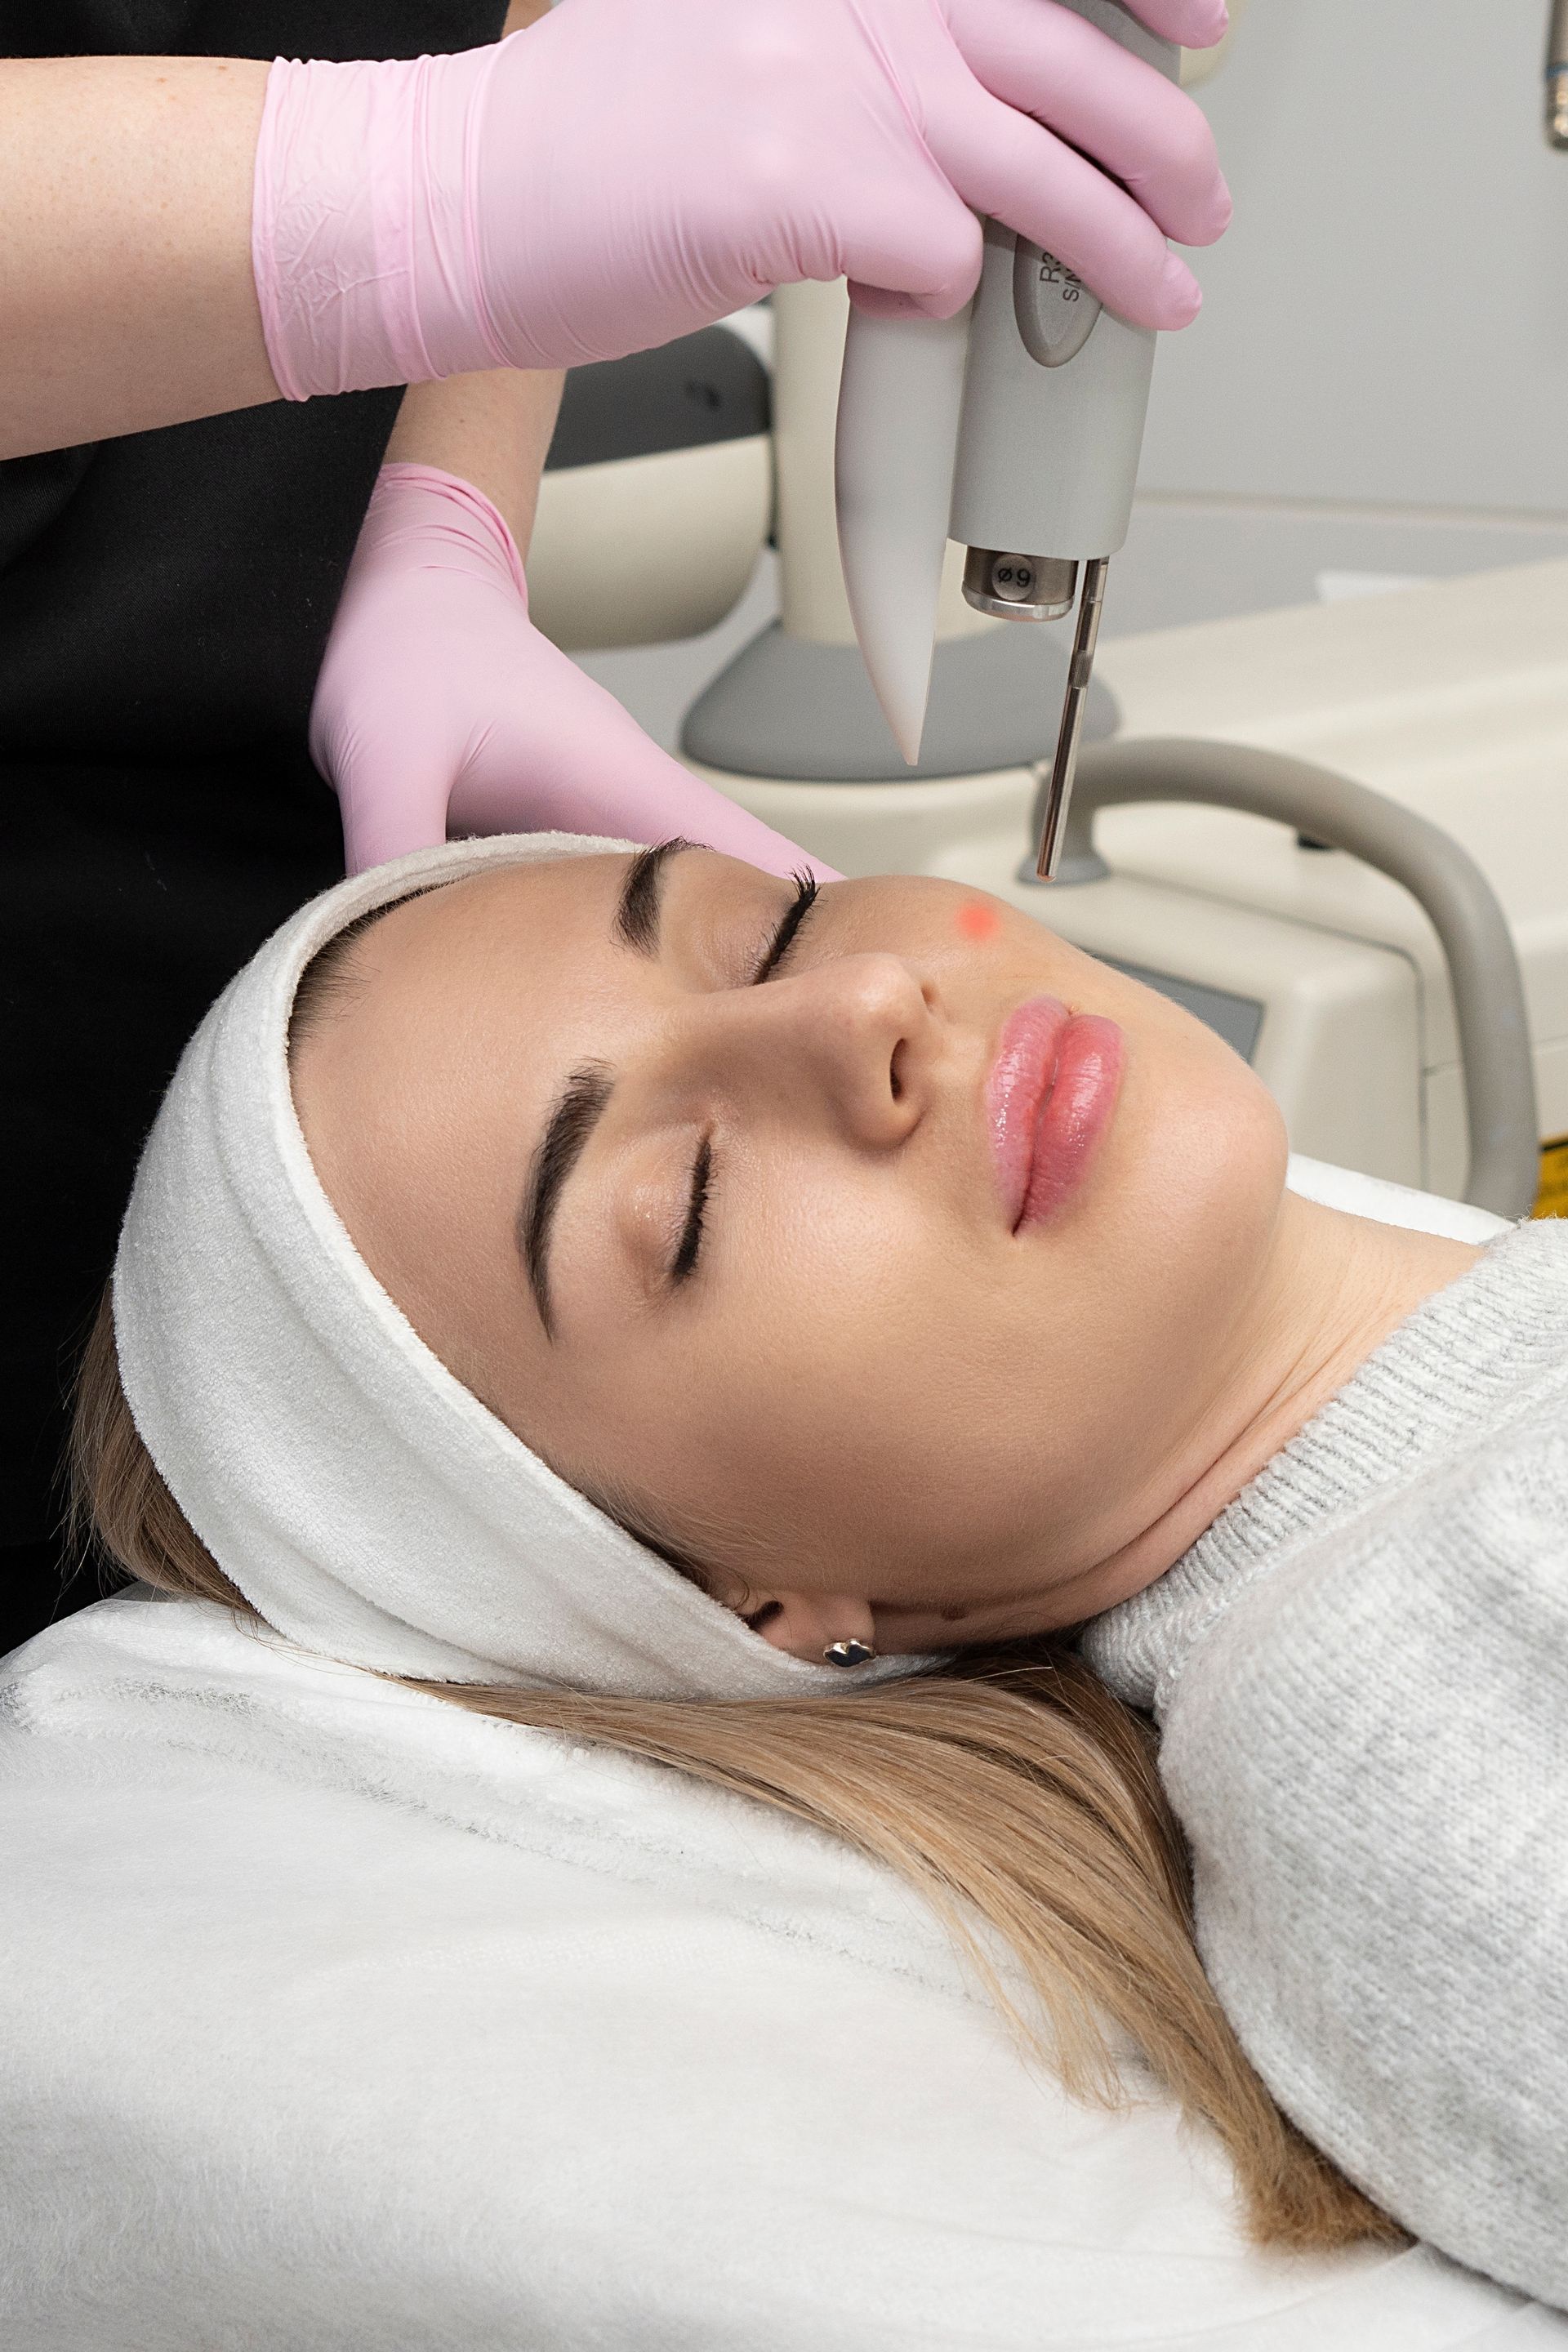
x=720, y=1210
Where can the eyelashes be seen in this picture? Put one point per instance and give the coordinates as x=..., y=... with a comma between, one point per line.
x=691, y=1244
x=805, y=893
x=688, y=1249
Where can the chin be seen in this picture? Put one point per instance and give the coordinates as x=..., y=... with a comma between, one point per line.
x=1202, y=1156
x=1238, y=1181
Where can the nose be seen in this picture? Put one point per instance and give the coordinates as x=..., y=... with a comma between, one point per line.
x=857, y=1038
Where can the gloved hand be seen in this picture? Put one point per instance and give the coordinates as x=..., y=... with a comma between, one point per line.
x=621, y=174
x=438, y=700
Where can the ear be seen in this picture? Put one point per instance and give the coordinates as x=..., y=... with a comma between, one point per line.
x=804, y=1624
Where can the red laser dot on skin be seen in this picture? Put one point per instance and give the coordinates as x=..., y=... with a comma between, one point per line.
x=976, y=920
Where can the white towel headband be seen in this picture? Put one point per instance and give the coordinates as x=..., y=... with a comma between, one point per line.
x=367, y=1505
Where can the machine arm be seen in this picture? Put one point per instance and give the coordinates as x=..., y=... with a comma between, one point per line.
x=1443, y=878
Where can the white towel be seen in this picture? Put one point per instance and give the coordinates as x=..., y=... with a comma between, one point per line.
x=333, y=2019
x=363, y=1500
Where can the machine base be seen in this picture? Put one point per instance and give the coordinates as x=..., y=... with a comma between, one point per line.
x=786, y=708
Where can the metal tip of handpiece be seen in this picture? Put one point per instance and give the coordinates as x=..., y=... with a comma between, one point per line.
x=1053, y=827
x=1064, y=765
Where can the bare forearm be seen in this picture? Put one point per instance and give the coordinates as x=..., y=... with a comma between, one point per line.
x=126, y=294
x=491, y=430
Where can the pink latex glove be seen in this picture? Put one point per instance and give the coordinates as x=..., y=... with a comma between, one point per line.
x=623, y=173
x=439, y=702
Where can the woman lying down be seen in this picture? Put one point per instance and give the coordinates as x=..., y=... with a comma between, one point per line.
x=752, y=1327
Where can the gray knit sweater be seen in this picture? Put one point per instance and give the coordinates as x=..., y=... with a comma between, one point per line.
x=1361, y=1677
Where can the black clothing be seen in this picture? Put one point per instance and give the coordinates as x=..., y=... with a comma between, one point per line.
x=164, y=603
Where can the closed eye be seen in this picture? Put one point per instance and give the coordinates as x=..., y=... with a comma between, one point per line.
x=806, y=891
x=689, y=1246
x=688, y=1249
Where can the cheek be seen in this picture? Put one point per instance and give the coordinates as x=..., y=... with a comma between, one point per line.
x=1198, y=1167
x=978, y=921
x=814, y=1312
x=852, y=1394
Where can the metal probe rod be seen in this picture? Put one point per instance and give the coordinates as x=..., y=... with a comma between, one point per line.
x=1557, y=76
x=1081, y=669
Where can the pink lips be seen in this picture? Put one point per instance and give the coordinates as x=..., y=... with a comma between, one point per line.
x=1048, y=1100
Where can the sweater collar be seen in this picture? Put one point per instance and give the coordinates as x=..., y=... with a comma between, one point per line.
x=1481, y=1346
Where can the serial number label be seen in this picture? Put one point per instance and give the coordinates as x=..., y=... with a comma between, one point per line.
x=1051, y=272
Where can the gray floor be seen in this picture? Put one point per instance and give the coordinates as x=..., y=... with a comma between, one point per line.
x=1185, y=560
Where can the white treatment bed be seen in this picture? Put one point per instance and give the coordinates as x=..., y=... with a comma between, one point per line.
x=335, y=2019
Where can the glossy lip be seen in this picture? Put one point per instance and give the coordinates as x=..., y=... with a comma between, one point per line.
x=1049, y=1099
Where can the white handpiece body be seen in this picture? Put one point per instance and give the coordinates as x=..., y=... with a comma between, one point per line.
x=892, y=477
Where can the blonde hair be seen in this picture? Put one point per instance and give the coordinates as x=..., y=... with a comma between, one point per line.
x=1010, y=1785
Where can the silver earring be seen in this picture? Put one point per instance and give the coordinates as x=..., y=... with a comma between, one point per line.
x=848, y=1653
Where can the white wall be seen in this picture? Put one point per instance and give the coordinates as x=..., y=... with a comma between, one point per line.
x=1387, y=320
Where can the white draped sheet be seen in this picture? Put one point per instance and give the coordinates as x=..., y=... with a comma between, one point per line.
x=335, y=2019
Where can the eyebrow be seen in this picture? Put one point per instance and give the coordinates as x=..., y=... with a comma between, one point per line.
x=637, y=914
x=578, y=1109
x=583, y=1099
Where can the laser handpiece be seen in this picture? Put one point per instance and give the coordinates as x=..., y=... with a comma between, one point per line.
x=1017, y=432
x=1055, y=395
x=1055, y=314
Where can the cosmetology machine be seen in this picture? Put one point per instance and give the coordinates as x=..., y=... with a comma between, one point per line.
x=1340, y=833
x=1450, y=702
x=658, y=497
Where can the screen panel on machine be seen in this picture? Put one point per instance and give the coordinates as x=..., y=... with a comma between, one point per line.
x=1237, y=1019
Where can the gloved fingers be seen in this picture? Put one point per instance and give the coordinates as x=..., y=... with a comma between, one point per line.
x=377, y=828
x=886, y=302
x=1196, y=24
x=699, y=812
x=580, y=763
x=392, y=795
x=914, y=234
x=1017, y=173
x=1112, y=106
